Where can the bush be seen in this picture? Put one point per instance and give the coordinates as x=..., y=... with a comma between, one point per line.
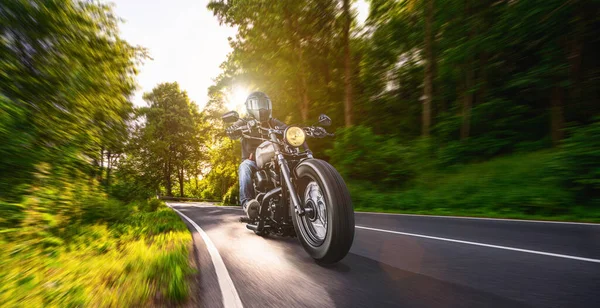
x=128, y=191
x=498, y=127
x=98, y=208
x=360, y=154
x=232, y=195
x=11, y=215
x=151, y=205
x=577, y=165
x=512, y=185
x=133, y=263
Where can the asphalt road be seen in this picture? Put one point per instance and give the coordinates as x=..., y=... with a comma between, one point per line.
x=400, y=261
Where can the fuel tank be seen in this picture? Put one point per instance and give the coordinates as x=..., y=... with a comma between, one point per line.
x=264, y=153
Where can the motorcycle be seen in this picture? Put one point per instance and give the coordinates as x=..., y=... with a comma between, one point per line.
x=299, y=195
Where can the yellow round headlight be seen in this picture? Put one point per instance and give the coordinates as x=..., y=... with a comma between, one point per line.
x=295, y=136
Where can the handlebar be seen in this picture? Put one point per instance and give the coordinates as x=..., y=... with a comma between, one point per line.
x=311, y=131
x=317, y=132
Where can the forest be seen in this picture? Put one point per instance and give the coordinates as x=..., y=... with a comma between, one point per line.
x=462, y=107
x=482, y=108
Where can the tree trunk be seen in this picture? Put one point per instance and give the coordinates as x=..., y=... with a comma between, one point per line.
x=101, y=164
x=468, y=97
x=347, y=65
x=428, y=80
x=305, y=101
x=292, y=24
x=575, y=55
x=169, y=184
x=482, y=77
x=108, y=167
x=181, y=182
x=305, y=104
x=467, y=103
x=557, y=120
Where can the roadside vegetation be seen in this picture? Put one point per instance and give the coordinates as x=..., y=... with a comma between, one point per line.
x=556, y=184
x=104, y=254
x=73, y=231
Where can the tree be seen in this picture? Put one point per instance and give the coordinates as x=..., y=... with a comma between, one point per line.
x=429, y=64
x=169, y=134
x=347, y=16
x=292, y=50
x=65, y=82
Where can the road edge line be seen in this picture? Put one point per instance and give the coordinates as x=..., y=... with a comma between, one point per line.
x=557, y=255
x=228, y=290
x=485, y=218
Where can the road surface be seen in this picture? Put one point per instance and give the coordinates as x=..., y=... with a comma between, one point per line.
x=399, y=261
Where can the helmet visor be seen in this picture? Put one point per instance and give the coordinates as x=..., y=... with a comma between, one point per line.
x=256, y=103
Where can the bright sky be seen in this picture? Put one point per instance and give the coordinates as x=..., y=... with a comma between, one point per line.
x=185, y=41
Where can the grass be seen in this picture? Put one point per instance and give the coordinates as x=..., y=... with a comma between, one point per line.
x=520, y=186
x=140, y=260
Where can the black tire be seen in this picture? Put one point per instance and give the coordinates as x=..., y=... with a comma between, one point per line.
x=340, y=213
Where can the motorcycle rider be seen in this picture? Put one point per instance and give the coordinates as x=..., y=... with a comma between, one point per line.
x=259, y=109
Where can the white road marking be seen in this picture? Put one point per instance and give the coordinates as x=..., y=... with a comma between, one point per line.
x=231, y=207
x=468, y=242
x=431, y=216
x=483, y=245
x=228, y=291
x=486, y=218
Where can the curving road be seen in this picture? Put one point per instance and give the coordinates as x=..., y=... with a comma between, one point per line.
x=399, y=261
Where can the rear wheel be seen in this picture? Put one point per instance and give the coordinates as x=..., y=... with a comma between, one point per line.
x=326, y=230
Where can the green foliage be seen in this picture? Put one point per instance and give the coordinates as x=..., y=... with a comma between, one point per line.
x=154, y=204
x=169, y=270
x=232, y=195
x=65, y=78
x=506, y=78
x=288, y=49
x=577, y=165
x=65, y=82
x=128, y=188
x=10, y=214
x=513, y=186
x=54, y=260
x=98, y=208
x=164, y=147
x=359, y=154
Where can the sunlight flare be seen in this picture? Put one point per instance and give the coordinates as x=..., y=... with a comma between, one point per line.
x=236, y=97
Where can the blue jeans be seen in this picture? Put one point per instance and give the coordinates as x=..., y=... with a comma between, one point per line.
x=247, y=168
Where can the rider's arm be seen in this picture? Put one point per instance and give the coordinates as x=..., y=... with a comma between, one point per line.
x=238, y=123
x=232, y=130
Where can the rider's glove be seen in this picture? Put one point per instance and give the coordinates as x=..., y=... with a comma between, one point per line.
x=233, y=132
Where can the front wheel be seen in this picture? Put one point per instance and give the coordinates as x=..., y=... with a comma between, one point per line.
x=326, y=230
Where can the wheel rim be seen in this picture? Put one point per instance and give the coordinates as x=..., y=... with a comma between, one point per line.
x=315, y=220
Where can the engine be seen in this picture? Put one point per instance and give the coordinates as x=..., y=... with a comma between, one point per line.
x=266, y=179
x=261, y=182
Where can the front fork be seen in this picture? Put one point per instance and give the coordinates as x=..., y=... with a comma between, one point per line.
x=285, y=170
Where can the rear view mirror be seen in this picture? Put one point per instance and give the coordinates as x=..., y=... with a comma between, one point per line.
x=324, y=120
x=230, y=117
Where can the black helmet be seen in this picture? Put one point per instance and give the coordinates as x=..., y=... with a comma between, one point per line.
x=258, y=106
